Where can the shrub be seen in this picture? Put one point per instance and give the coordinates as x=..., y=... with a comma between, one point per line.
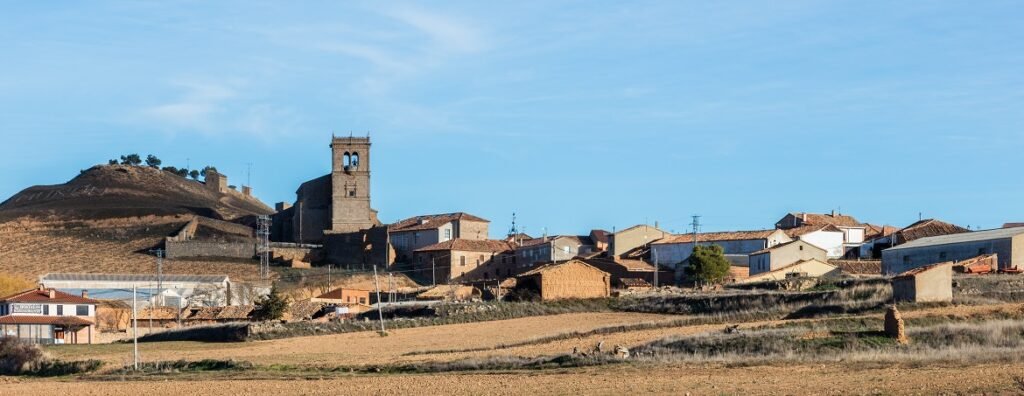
x=708, y=264
x=18, y=357
x=271, y=306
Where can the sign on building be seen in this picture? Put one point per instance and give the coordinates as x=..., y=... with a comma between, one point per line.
x=32, y=309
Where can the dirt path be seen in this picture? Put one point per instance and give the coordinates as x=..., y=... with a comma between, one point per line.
x=608, y=380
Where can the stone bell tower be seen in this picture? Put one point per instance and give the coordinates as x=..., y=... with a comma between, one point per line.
x=350, y=185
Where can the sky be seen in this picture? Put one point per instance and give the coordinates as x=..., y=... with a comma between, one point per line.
x=572, y=114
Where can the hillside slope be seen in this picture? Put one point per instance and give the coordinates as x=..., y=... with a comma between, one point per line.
x=118, y=191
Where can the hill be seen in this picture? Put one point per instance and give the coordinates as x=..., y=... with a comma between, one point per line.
x=107, y=219
x=121, y=191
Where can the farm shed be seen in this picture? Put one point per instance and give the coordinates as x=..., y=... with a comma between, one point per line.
x=1007, y=243
x=571, y=279
x=933, y=283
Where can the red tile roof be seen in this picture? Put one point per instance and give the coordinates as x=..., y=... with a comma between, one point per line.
x=717, y=236
x=429, y=222
x=823, y=219
x=40, y=319
x=469, y=245
x=928, y=228
x=807, y=229
x=38, y=296
x=914, y=271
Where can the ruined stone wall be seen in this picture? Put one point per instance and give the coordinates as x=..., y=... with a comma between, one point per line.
x=182, y=249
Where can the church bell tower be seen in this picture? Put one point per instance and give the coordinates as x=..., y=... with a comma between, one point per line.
x=350, y=184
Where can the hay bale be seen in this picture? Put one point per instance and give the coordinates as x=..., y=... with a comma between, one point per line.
x=894, y=325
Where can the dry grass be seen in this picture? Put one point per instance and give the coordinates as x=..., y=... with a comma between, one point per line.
x=29, y=253
x=10, y=284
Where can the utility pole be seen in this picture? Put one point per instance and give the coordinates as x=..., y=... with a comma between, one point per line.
x=655, y=253
x=159, y=278
x=380, y=305
x=696, y=228
x=328, y=278
x=135, y=328
x=263, y=233
x=433, y=272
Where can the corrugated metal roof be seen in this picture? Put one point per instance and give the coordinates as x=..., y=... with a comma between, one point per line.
x=133, y=278
x=999, y=233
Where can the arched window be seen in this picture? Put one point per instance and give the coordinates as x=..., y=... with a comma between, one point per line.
x=347, y=159
x=355, y=159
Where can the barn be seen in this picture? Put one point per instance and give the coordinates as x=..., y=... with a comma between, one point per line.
x=933, y=283
x=570, y=279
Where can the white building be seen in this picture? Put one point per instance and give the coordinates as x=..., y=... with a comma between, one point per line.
x=176, y=289
x=47, y=316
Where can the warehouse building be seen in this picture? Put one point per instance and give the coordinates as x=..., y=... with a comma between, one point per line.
x=1008, y=243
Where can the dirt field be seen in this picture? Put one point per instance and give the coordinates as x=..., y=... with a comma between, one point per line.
x=366, y=347
x=608, y=380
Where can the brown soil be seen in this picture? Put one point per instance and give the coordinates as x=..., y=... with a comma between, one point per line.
x=608, y=380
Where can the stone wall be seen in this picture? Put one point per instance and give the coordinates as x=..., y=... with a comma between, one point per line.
x=176, y=249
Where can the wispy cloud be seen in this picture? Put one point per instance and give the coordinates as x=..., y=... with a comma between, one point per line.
x=196, y=107
x=446, y=32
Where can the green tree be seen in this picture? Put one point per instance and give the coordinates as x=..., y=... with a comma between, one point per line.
x=131, y=159
x=707, y=263
x=112, y=162
x=153, y=162
x=271, y=306
x=194, y=174
x=205, y=169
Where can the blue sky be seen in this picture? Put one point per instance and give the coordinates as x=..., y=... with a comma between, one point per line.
x=575, y=115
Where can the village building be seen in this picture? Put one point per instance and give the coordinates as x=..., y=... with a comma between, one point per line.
x=600, y=239
x=673, y=251
x=639, y=237
x=408, y=235
x=783, y=255
x=828, y=237
x=932, y=283
x=1007, y=243
x=465, y=260
x=549, y=249
x=571, y=279
x=624, y=271
x=48, y=316
x=919, y=229
x=806, y=268
x=344, y=296
x=812, y=228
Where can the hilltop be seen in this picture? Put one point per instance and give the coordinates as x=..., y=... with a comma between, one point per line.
x=107, y=219
x=123, y=191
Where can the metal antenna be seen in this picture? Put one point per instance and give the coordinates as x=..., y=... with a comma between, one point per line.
x=696, y=228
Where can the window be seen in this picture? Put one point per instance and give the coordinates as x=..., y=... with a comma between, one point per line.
x=46, y=309
x=462, y=261
x=362, y=300
x=565, y=249
x=801, y=247
x=60, y=310
x=447, y=234
x=82, y=310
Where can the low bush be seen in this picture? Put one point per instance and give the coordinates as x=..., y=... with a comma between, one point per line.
x=18, y=357
x=190, y=366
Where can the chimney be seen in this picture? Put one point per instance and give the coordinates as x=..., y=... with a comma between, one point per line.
x=53, y=294
x=85, y=293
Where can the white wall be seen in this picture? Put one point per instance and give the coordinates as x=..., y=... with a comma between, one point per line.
x=831, y=241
